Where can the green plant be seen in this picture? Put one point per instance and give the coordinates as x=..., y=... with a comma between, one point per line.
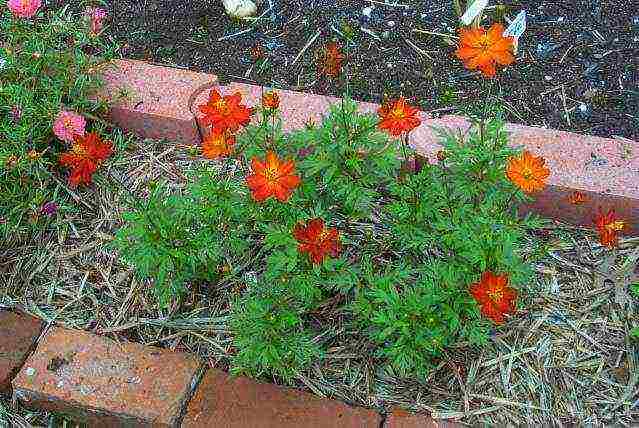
x=45, y=67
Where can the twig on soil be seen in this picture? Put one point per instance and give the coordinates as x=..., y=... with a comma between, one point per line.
x=390, y=4
x=306, y=46
x=434, y=33
x=370, y=33
x=230, y=36
x=417, y=49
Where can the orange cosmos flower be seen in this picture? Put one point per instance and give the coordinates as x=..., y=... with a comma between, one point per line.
x=331, y=60
x=316, y=240
x=273, y=177
x=398, y=117
x=577, y=198
x=483, y=49
x=86, y=155
x=528, y=172
x=270, y=100
x=225, y=112
x=494, y=296
x=217, y=144
x=609, y=226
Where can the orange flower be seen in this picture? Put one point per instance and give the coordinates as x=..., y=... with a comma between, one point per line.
x=528, y=172
x=494, y=296
x=273, y=177
x=270, y=100
x=218, y=143
x=225, y=112
x=316, y=240
x=86, y=155
x=609, y=226
x=577, y=198
x=331, y=60
x=483, y=49
x=398, y=117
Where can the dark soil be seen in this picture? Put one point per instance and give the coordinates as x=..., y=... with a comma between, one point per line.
x=577, y=67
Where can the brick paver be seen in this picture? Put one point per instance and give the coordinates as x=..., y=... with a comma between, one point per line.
x=600, y=168
x=18, y=334
x=105, y=383
x=238, y=402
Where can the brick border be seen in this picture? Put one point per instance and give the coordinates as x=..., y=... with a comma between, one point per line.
x=96, y=380
x=600, y=168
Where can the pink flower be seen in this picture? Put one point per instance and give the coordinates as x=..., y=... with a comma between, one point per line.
x=24, y=8
x=68, y=124
x=96, y=15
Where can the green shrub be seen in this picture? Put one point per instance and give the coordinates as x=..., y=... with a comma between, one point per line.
x=412, y=241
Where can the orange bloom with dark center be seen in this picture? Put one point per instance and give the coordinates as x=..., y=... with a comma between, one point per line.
x=317, y=240
x=494, y=296
x=272, y=177
x=270, y=100
x=217, y=144
x=577, y=198
x=481, y=49
x=398, y=117
x=331, y=60
x=225, y=112
x=86, y=155
x=528, y=172
x=609, y=226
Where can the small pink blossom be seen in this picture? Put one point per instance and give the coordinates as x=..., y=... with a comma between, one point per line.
x=96, y=15
x=68, y=124
x=24, y=8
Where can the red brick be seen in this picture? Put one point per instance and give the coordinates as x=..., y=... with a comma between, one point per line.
x=98, y=381
x=403, y=419
x=238, y=402
x=18, y=335
x=157, y=103
x=164, y=112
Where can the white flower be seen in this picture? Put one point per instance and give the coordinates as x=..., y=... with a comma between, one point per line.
x=239, y=8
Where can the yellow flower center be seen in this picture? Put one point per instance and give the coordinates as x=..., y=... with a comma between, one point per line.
x=527, y=173
x=398, y=112
x=496, y=295
x=322, y=236
x=78, y=150
x=484, y=42
x=221, y=106
x=271, y=174
x=67, y=123
x=616, y=226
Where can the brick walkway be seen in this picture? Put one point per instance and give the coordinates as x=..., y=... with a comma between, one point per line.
x=101, y=382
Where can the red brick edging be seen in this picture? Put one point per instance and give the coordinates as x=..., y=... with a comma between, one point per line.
x=104, y=383
x=605, y=170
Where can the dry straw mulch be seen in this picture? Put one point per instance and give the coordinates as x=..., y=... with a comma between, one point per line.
x=566, y=357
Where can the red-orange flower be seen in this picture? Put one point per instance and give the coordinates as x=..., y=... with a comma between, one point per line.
x=494, y=296
x=86, y=155
x=272, y=177
x=217, y=144
x=577, y=198
x=483, y=49
x=609, y=226
x=316, y=240
x=398, y=117
x=330, y=62
x=270, y=100
x=225, y=112
x=528, y=172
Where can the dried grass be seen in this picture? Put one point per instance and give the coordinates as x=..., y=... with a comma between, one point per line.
x=565, y=358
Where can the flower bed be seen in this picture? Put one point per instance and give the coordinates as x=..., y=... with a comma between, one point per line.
x=332, y=252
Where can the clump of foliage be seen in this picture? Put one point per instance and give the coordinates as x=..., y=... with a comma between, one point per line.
x=45, y=66
x=412, y=239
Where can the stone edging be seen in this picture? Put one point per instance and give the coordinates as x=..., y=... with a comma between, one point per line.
x=104, y=383
x=605, y=170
